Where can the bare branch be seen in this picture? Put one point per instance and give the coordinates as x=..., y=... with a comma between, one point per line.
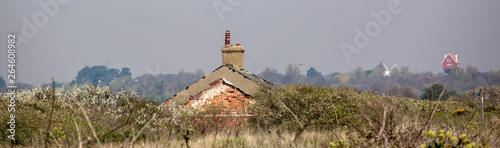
x=140, y=131
x=432, y=113
x=79, y=136
x=383, y=121
x=55, y=140
x=293, y=114
x=53, y=97
x=91, y=127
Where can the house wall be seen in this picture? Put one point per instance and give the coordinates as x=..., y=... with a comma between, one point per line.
x=238, y=80
x=449, y=65
x=220, y=94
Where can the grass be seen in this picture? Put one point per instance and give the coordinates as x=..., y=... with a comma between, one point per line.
x=292, y=116
x=246, y=139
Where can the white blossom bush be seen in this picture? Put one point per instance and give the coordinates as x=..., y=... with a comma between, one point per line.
x=119, y=111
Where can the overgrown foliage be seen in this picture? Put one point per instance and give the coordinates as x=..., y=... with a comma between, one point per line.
x=368, y=118
x=491, y=98
x=2, y=82
x=313, y=105
x=432, y=92
x=100, y=75
x=290, y=116
x=115, y=116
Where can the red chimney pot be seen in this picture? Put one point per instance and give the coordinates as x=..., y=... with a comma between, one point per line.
x=228, y=38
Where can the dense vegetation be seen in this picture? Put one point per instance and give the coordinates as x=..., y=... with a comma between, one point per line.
x=100, y=75
x=376, y=120
x=59, y=117
x=2, y=82
x=290, y=116
x=401, y=82
x=357, y=108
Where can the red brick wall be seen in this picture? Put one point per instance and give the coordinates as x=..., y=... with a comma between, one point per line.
x=228, y=97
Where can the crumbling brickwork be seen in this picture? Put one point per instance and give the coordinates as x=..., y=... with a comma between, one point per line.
x=221, y=93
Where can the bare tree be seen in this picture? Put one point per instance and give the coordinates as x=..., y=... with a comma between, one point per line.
x=292, y=73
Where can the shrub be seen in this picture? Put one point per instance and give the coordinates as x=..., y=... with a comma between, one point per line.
x=313, y=106
x=459, y=112
x=109, y=112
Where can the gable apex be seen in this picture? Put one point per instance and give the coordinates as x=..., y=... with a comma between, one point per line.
x=453, y=57
x=242, y=80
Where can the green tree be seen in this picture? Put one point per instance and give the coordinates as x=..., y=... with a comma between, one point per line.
x=120, y=83
x=435, y=90
x=335, y=73
x=462, y=80
x=395, y=73
x=358, y=73
x=377, y=71
x=312, y=72
x=405, y=71
x=2, y=82
x=100, y=73
x=311, y=105
x=491, y=96
x=457, y=73
x=402, y=91
x=125, y=72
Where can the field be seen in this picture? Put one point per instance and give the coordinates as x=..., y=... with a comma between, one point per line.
x=291, y=116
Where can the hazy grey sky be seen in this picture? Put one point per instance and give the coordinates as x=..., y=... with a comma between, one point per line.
x=180, y=34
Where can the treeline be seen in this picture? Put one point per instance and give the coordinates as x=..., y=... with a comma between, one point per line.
x=158, y=87
x=401, y=82
x=153, y=87
x=290, y=116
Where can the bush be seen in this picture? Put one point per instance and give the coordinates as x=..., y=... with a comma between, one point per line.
x=491, y=95
x=110, y=114
x=313, y=106
x=290, y=116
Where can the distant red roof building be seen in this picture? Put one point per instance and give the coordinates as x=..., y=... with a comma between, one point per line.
x=450, y=62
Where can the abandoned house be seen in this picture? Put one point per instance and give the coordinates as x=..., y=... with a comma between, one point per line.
x=229, y=86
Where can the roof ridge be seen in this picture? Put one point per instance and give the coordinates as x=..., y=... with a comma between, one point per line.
x=253, y=78
x=452, y=57
x=249, y=76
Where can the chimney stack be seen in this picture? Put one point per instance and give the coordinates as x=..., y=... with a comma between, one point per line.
x=456, y=56
x=232, y=55
x=228, y=38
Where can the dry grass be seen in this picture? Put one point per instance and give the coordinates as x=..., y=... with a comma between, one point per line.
x=247, y=139
x=365, y=120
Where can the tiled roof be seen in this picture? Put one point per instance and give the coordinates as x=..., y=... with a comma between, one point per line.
x=454, y=58
x=254, y=78
x=240, y=79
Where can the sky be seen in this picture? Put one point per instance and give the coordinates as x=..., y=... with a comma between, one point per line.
x=57, y=38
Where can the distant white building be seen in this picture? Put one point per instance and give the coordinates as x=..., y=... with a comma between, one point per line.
x=387, y=71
